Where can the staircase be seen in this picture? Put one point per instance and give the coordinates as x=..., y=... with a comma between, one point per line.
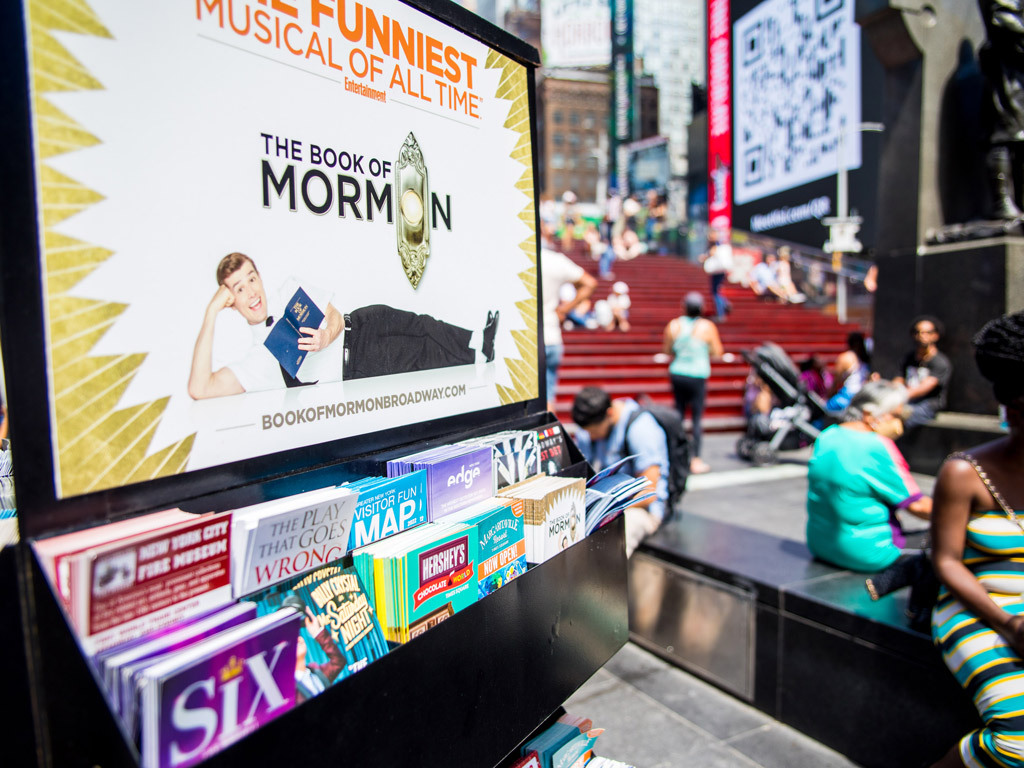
x=623, y=363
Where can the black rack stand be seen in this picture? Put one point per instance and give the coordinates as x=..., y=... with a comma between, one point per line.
x=467, y=693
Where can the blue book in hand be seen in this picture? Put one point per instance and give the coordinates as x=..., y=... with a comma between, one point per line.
x=283, y=339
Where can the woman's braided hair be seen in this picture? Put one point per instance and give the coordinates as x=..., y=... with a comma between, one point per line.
x=999, y=352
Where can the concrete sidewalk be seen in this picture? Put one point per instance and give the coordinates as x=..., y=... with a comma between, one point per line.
x=657, y=716
x=654, y=714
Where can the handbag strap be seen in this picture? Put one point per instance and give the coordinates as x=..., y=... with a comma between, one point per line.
x=989, y=485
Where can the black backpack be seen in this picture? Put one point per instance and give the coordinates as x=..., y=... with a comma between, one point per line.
x=671, y=422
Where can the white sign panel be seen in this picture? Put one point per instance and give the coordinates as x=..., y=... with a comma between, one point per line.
x=273, y=224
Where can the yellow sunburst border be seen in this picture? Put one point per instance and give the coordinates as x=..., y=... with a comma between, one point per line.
x=99, y=445
x=523, y=369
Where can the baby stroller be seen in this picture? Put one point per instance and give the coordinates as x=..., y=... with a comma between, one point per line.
x=788, y=426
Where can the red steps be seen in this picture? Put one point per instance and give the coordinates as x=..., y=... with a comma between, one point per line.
x=623, y=362
x=598, y=346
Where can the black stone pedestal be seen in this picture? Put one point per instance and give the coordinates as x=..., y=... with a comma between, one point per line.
x=965, y=285
x=926, y=447
x=807, y=644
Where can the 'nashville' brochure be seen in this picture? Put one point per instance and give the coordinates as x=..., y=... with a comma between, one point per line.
x=340, y=634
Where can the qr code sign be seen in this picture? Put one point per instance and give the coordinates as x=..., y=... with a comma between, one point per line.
x=796, y=86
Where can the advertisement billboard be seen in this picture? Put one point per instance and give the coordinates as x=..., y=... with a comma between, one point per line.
x=797, y=85
x=625, y=106
x=720, y=172
x=575, y=33
x=261, y=229
x=649, y=165
x=804, y=80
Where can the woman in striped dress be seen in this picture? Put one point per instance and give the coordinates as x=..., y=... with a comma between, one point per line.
x=978, y=553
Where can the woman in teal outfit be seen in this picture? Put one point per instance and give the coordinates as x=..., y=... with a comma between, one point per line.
x=978, y=554
x=692, y=340
x=857, y=479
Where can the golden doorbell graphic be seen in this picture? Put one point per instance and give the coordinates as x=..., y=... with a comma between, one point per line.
x=412, y=225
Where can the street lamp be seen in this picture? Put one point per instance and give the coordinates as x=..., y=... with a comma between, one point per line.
x=843, y=228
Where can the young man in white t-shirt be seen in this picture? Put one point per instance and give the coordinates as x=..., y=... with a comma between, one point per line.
x=556, y=269
x=378, y=340
x=241, y=288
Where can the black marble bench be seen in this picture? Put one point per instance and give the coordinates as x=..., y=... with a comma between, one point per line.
x=797, y=638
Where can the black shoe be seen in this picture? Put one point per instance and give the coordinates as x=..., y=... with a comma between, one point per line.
x=904, y=572
x=490, y=328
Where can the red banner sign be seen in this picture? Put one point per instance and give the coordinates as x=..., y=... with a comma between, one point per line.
x=719, y=118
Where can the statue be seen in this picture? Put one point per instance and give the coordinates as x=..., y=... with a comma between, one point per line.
x=994, y=86
x=1002, y=63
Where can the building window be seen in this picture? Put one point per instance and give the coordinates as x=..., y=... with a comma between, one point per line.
x=556, y=117
x=557, y=139
x=557, y=160
x=574, y=118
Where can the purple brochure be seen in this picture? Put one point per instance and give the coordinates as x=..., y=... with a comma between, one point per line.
x=454, y=482
x=121, y=667
x=219, y=691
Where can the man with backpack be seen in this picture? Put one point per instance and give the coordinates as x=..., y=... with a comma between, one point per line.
x=613, y=429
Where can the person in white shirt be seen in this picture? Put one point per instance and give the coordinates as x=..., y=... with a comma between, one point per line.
x=375, y=340
x=763, y=278
x=618, y=302
x=240, y=287
x=556, y=269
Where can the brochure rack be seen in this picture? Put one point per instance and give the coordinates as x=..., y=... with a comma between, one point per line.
x=466, y=693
